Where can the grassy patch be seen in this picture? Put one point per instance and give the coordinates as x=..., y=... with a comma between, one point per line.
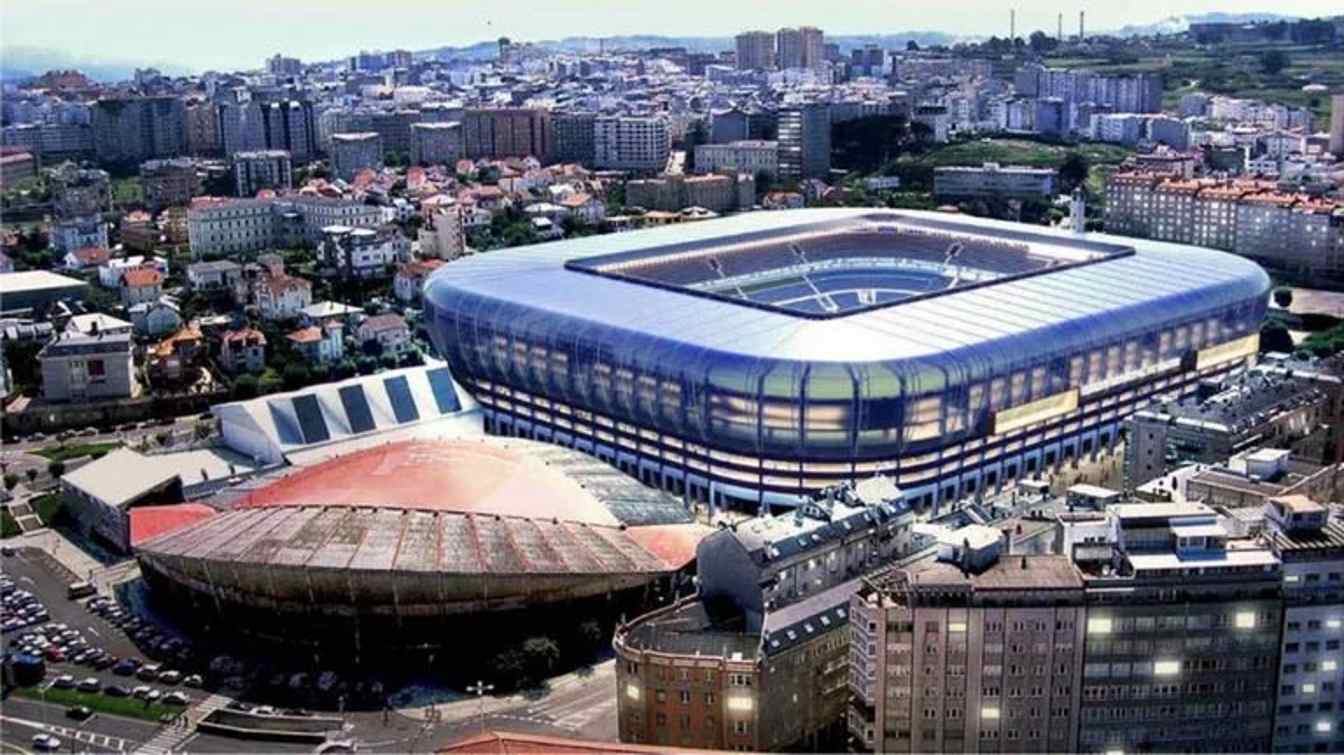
x=75, y=451
x=1020, y=152
x=128, y=707
x=8, y=526
x=128, y=191
x=47, y=507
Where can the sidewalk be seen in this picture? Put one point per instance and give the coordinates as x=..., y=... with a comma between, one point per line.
x=66, y=553
x=471, y=707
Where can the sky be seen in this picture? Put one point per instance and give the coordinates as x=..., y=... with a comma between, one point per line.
x=239, y=34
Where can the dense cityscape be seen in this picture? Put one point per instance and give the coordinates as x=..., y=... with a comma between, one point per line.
x=775, y=389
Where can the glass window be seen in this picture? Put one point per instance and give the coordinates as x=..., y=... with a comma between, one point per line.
x=399, y=393
x=357, y=408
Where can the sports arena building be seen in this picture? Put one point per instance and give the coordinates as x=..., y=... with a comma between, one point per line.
x=752, y=359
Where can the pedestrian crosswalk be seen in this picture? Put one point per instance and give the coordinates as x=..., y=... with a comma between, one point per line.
x=574, y=715
x=69, y=734
x=171, y=737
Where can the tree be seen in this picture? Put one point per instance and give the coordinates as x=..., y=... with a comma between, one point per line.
x=31, y=474
x=591, y=634
x=1283, y=297
x=1040, y=42
x=510, y=667
x=1273, y=62
x=11, y=480
x=55, y=468
x=367, y=365
x=296, y=376
x=245, y=387
x=203, y=429
x=1275, y=337
x=388, y=361
x=1073, y=171
x=912, y=46
x=540, y=656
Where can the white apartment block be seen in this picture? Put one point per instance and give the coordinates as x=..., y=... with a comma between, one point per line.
x=753, y=157
x=993, y=180
x=631, y=143
x=250, y=225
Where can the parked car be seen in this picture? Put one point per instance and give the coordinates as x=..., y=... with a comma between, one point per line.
x=116, y=690
x=64, y=681
x=176, y=698
x=125, y=667
x=170, y=676
x=90, y=684
x=142, y=691
x=149, y=672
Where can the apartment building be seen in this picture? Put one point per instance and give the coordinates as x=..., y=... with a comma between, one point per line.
x=575, y=135
x=436, y=143
x=1256, y=408
x=250, y=225
x=994, y=180
x=362, y=252
x=802, y=47
x=804, y=137
x=1294, y=233
x=256, y=170
x=671, y=193
x=1182, y=635
x=507, y=132
x=752, y=157
x=77, y=367
x=757, y=660
x=755, y=51
x=353, y=152
x=1310, y=713
x=131, y=130
x=976, y=651
x=629, y=143
x=169, y=183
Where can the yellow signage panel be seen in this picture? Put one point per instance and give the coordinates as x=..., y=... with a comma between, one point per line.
x=1226, y=352
x=1036, y=411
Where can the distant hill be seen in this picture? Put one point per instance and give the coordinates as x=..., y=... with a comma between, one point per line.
x=27, y=62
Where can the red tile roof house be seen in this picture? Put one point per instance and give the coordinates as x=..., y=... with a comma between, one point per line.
x=411, y=277
x=141, y=285
x=85, y=258
x=243, y=350
x=389, y=331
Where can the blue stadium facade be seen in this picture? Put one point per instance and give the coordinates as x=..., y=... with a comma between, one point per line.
x=748, y=360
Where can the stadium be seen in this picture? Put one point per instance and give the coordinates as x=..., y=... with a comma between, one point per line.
x=750, y=360
x=385, y=545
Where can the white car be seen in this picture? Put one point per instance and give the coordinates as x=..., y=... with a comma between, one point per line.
x=170, y=677
x=153, y=695
x=46, y=743
x=176, y=698
x=142, y=691
x=64, y=681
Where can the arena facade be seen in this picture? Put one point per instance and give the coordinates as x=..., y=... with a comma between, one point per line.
x=750, y=360
x=386, y=546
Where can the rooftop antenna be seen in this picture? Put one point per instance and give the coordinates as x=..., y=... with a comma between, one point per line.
x=1081, y=28
x=1012, y=25
x=1059, y=28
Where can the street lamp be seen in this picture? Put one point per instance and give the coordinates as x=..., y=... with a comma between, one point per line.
x=479, y=689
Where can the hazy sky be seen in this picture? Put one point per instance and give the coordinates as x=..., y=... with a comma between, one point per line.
x=234, y=34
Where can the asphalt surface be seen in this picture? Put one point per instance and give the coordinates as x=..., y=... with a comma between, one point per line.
x=584, y=705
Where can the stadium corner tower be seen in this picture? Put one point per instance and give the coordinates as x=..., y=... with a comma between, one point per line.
x=748, y=360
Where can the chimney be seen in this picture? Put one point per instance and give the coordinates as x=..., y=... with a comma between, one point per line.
x=1012, y=25
x=1081, y=29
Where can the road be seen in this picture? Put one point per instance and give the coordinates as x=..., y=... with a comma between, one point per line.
x=100, y=733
